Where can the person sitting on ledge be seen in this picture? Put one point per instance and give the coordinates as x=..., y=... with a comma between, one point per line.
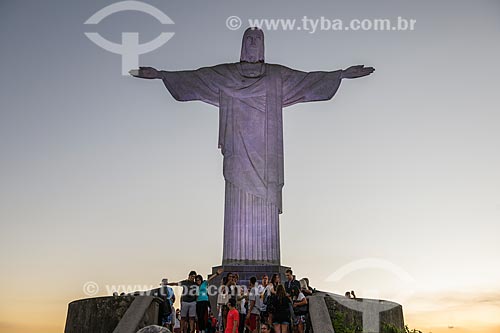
x=308, y=290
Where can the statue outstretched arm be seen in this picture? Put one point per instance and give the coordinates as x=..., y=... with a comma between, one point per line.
x=354, y=72
x=145, y=73
x=190, y=85
x=300, y=87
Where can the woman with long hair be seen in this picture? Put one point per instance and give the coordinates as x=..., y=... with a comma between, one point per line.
x=275, y=281
x=269, y=292
x=300, y=308
x=202, y=303
x=281, y=310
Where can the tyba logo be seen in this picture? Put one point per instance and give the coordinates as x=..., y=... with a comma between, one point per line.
x=130, y=49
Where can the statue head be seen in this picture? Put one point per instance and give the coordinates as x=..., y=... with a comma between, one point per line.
x=252, y=45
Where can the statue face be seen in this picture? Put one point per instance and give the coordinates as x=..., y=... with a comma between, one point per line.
x=252, y=48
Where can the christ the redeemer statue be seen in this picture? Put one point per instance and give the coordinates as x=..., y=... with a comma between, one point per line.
x=250, y=95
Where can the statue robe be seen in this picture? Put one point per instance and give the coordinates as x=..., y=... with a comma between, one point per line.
x=251, y=140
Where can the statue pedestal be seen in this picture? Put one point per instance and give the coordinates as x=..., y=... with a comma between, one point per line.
x=245, y=272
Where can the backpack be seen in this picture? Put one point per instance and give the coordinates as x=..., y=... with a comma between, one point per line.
x=270, y=303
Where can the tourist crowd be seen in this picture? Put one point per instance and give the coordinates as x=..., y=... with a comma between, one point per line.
x=262, y=306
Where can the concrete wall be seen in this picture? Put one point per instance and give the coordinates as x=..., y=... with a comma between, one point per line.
x=103, y=314
x=363, y=315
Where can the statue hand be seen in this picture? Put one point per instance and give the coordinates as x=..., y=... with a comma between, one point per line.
x=145, y=73
x=357, y=71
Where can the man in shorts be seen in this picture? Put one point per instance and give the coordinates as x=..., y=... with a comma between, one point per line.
x=253, y=319
x=188, y=302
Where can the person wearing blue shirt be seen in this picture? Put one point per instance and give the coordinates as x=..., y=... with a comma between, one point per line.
x=202, y=303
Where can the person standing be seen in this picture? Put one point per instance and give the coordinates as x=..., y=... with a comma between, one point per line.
x=202, y=303
x=291, y=284
x=222, y=299
x=271, y=290
x=275, y=281
x=307, y=291
x=264, y=297
x=233, y=317
x=166, y=294
x=169, y=302
x=301, y=311
x=253, y=319
x=281, y=305
x=241, y=305
x=188, y=302
x=237, y=293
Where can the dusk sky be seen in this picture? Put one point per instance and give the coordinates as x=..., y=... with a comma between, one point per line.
x=392, y=188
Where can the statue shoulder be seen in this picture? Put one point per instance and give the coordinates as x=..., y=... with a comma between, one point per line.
x=277, y=66
x=281, y=69
x=221, y=69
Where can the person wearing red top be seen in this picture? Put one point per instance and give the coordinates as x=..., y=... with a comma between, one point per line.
x=233, y=317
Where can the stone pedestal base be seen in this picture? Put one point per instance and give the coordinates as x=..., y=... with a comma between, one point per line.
x=245, y=272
